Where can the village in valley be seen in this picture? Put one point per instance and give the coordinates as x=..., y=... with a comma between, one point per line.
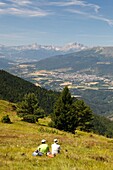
x=57, y=79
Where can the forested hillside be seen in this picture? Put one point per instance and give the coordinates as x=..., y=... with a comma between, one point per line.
x=13, y=88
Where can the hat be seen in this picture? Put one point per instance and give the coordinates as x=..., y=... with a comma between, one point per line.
x=43, y=141
x=55, y=140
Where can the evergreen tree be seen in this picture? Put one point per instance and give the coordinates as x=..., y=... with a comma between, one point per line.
x=69, y=114
x=30, y=106
x=64, y=117
x=84, y=114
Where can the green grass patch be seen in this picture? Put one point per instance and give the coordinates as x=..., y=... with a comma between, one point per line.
x=82, y=151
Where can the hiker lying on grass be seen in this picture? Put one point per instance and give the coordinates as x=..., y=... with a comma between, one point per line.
x=42, y=149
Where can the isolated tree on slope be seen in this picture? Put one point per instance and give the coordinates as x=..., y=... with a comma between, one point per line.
x=63, y=118
x=69, y=114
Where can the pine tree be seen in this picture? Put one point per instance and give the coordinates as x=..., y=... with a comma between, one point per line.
x=30, y=106
x=84, y=114
x=69, y=113
x=64, y=117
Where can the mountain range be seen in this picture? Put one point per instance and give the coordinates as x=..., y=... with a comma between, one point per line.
x=36, y=52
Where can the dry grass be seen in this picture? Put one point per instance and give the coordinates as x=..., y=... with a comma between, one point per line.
x=82, y=151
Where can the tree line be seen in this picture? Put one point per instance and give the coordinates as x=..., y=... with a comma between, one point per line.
x=13, y=89
x=68, y=114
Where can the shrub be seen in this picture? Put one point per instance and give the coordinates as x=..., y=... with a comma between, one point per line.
x=30, y=118
x=51, y=124
x=14, y=107
x=6, y=119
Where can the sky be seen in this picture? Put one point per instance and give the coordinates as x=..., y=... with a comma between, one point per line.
x=56, y=22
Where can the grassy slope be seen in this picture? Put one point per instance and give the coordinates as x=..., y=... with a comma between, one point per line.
x=85, y=151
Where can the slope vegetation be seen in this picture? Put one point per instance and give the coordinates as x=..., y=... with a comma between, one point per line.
x=83, y=151
x=13, y=88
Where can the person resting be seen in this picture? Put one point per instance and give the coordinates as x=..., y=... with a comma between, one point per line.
x=55, y=147
x=42, y=149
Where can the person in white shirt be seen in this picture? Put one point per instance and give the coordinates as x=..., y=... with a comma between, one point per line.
x=55, y=147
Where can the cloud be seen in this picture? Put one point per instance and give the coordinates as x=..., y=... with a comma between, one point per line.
x=89, y=15
x=22, y=8
x=43, y=8
x=83, y=8
x=22, y=2
x=76, y=3
x=101, y=18
x=26, y=7
x=2, y=4
x=25, y=12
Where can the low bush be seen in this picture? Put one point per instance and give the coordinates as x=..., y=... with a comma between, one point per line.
x=6, y=119
x=30, y=118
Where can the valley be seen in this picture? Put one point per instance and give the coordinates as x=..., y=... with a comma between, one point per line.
x=57, y=79
x=88, y=72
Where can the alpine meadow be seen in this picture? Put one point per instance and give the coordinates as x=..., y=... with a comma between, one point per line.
x=19, y=139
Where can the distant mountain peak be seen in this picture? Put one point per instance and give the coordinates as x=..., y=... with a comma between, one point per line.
x=36, y=52
x=73, y=46
x=68, y=47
